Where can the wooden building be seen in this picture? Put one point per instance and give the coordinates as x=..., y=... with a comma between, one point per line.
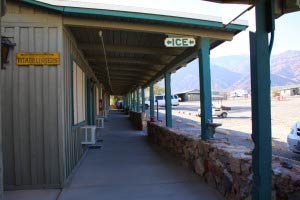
x=45, y=102
x=44, y=105
x=288, y=90
x=67, y=58
x=194, y=95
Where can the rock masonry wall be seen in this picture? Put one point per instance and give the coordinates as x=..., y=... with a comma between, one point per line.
x=225, y=166
x=139, y=119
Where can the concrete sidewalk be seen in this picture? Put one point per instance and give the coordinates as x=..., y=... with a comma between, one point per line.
x=127, y=167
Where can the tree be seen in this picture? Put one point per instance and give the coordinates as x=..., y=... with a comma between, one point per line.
x=275, y=92
x=158, y=89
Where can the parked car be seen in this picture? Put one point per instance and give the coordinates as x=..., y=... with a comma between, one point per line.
x=219, y=112
x=177, y=97
x=160, y=99
x=293, y=138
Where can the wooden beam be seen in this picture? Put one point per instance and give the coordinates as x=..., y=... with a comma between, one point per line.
x=123, y=78
x=128, y=76
x=138, y=76
x=127, y=79
x=141, y=72
x=126, y=82
x=152, y=28
x=130, y=68
x=117, y=80
x=127, y=60
x=131, y=49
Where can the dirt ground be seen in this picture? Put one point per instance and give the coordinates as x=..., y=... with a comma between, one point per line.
x=236, y=128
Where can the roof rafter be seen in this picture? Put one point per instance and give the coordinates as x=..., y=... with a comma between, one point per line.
x=127, y=60
x=153, y=28
x=132, y=68
x=132, y=49
x=124, y=71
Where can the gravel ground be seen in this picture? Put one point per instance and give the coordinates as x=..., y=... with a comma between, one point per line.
x=236, y=128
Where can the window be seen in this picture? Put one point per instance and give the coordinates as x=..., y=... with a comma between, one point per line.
x=79, y=87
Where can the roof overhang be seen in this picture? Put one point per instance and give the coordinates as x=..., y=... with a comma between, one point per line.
x=281, y=6
x=141, y=59
x=130, y=12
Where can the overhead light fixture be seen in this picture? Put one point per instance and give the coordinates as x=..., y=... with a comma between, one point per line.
x=100, y=33
x=6, y=45
x=105, y=58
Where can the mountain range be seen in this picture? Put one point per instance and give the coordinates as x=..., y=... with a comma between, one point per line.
x=233, y=72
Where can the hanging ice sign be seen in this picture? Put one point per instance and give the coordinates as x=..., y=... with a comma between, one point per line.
x=180, y=42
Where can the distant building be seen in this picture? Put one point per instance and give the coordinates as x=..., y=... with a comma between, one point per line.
x=239, y=93
x=289, y=90
x=194, y=95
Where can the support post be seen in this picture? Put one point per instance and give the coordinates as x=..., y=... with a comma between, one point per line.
x=88, y=97
x=138, y=101
x=124, y=101
x=261, y=102
x=143, y=100
x=205, y=89
x=168, y=103
x=134, y=101
x=105, y=105
x=151, y=100
x=128, y=101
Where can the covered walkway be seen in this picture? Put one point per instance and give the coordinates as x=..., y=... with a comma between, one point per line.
x=127, y=167
x=91, y=51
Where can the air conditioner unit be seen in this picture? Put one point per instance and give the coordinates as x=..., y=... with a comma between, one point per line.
x=100, y=122
x=88, y=134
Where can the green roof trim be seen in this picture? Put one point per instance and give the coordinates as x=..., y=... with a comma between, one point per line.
x=135, y=15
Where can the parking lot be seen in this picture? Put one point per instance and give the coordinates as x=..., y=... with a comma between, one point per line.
x=236, y=128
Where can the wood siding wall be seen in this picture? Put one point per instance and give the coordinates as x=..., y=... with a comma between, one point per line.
x=1, y=163
x=73, y=148
x=32, y=102
x=40, y=144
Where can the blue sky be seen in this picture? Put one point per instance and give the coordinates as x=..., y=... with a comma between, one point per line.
x=287, y=32
x=287, y=37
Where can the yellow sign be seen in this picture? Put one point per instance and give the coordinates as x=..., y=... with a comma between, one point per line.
x=38, y=58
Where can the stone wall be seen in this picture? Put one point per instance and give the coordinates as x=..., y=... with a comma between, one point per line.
x=139, y=119
x=224, y=166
